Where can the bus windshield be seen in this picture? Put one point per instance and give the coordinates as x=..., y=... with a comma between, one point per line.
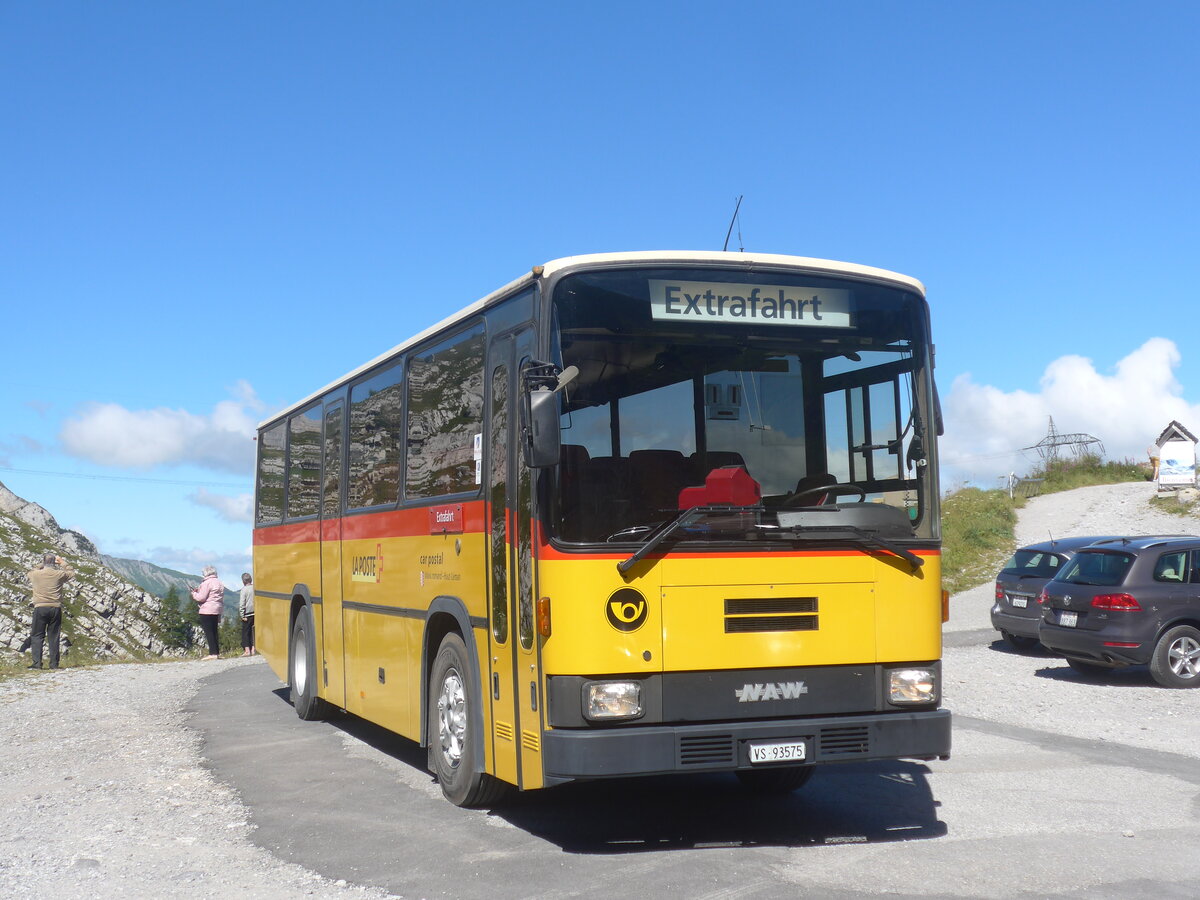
x=818, y=387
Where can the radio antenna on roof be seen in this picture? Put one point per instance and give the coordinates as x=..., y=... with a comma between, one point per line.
x=736, y=207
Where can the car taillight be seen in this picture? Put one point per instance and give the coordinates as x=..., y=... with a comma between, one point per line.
x=1043, y=598
x=999, y=591
x=1120, y=602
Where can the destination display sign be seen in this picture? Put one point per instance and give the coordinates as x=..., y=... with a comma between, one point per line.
x=769, y=304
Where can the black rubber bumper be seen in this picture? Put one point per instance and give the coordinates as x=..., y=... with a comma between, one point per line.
x=1021, y=626
x=1087, y=645
x=656, y=750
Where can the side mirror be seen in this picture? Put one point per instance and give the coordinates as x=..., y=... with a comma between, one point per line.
x=542, y=445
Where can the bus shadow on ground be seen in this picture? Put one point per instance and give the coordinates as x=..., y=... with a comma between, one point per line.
x=845, y=803
x=860, y=803
x=378, y=738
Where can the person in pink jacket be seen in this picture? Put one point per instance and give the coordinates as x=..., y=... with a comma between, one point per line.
x=210, y=595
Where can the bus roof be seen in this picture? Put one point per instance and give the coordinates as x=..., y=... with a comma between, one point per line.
x=600, y=260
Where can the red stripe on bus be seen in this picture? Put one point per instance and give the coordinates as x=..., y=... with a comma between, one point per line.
x=299, y=533
x=550, y=552
x=414, y=522
x=388, y=524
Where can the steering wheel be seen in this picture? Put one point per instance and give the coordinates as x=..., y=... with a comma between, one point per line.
x=806, y=498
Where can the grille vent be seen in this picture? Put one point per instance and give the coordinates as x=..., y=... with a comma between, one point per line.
x=770, y=623
x=758, y=614
x=530, y=741
x=504, y=731
x=851, y=740
x=706, y=750
x=750, y=606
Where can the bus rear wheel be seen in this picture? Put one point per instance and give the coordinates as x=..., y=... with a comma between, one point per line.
x=302, y=669
x=453, y=735
x=781, y=780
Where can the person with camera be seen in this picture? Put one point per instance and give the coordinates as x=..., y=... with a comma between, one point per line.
x=210, y=595
x=47, y=584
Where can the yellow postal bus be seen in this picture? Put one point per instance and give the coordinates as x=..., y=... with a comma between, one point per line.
x=631, y=514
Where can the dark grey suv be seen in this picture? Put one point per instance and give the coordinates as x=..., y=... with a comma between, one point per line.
x=1016, y=613
x=1128, y=601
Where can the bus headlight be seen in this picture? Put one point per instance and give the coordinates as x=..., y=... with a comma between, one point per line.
x=603, y=700
x=912, y=686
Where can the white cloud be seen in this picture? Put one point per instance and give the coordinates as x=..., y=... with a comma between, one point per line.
x=230, y=509
x=1127, y=409
x=111, y=435
x=229, y=566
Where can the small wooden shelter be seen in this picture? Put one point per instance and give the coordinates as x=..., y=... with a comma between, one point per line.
x=1177, y=457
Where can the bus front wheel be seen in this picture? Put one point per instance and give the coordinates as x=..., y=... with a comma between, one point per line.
x=453, y=736
x=302, y=669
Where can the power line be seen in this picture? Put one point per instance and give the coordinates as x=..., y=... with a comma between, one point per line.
x=234, y=484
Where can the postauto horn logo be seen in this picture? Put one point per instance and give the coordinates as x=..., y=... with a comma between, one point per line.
x=627, y=610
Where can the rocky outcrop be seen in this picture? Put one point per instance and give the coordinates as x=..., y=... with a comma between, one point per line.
x=104, y=615
x=29, y=513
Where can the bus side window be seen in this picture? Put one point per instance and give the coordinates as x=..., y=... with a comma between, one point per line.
x=375, y=413
x=445, y=413
x=304, y=463
x=271, y=447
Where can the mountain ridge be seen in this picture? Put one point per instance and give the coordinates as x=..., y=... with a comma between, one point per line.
x=106, y=615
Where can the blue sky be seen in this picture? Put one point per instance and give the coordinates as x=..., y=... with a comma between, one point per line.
x=210, y=209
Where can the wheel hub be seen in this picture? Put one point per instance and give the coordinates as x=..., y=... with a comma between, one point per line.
x=300, y=667
x=452, y=718
x=1183, y=656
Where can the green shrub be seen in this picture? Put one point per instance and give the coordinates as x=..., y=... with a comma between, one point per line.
x=1068, y=474
x=977, y=536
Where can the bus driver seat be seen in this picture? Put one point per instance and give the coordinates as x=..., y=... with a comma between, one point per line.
x=811, y=485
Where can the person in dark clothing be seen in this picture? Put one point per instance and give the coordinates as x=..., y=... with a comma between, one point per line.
x=246, y=609
x=47, y=584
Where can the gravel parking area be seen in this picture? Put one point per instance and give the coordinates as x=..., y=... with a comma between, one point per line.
x=107, y=795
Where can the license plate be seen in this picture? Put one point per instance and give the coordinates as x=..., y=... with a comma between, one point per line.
x=1019, y=602
x=779, y=751
x=1068, y=619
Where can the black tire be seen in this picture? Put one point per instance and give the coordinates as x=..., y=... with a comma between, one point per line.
x=453, y=736
x=1089, y=670
x=1019, y=642
x=780, y=780
x=302, y=669
x=1176, y=659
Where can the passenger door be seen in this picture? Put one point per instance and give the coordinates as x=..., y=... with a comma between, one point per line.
x=513, y=657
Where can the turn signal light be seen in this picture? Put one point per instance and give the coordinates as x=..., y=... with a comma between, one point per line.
x=945, y=606
x=1119, y=602
x=543, y=616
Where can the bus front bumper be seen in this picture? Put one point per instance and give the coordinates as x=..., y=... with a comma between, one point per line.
x=663, y=749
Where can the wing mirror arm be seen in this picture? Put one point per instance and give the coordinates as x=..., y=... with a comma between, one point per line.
x=542, y=440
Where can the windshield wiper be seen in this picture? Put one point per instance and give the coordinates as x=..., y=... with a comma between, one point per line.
x=684, y=518
x=688, y=516
x=864, y=537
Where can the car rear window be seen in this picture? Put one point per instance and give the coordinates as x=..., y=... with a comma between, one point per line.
x=1033, y=562
x=1098, y=568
